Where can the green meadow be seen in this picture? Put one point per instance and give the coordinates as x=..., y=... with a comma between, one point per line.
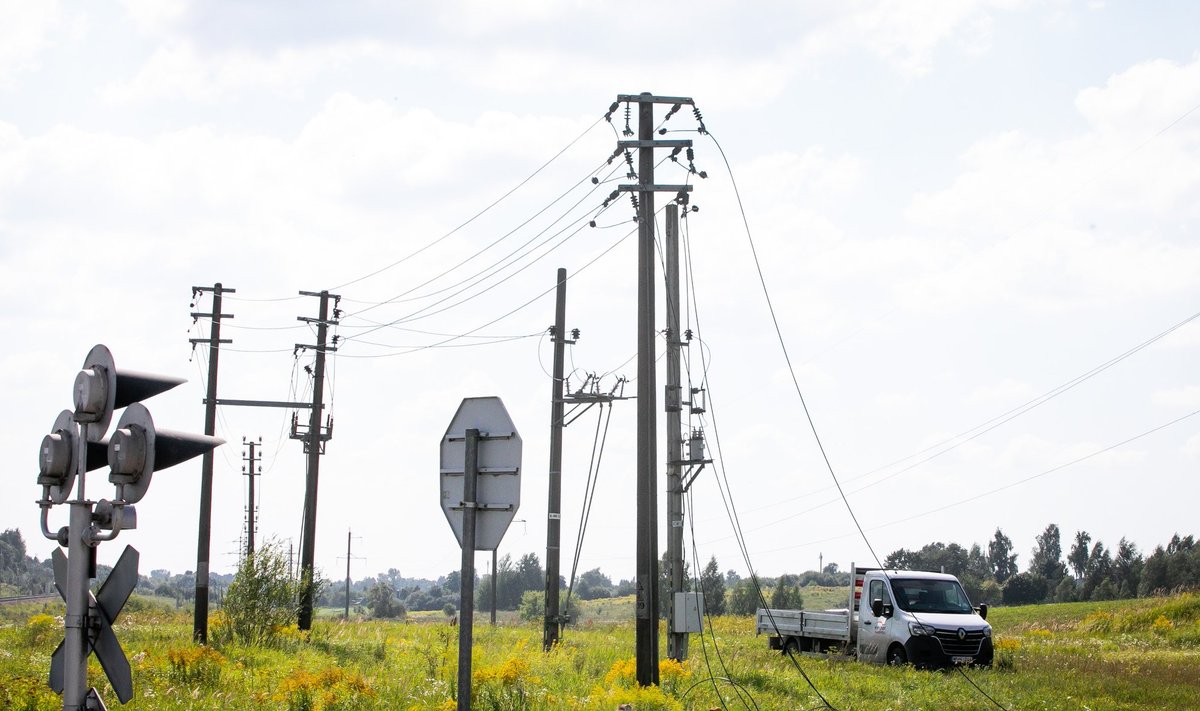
x=1120, y=655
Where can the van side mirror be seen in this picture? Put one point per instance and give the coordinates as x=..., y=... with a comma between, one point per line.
x=877, y=607
x=983, y=610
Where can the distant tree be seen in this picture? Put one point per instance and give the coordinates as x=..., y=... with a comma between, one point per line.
x=731, y=578
x=381, y=600
x=712, y=584
x=1127, y=569
x=830, y=569
x=625, y=587
x=1001, y=559
x=1078, y=557
x=743, y=598
x=1175, y=566
x=977, y=564
x=1047, y=556
x=1024, y=589
x=938, y=556
x=593, y=585
x=530, y=575
x=989, y=591
x=533, y=605
x=901, y=559
x=1155, y=574
x=1099, y=567
x=664, y=582
x=1067, y=591
x=1105, y=590
x=786, y=595
x=392, y=577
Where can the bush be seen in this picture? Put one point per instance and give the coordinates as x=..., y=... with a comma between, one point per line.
x=263, y=597
x=1024, y=589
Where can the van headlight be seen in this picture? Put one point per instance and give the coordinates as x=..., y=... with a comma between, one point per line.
x=987, y=631
x=917, y=629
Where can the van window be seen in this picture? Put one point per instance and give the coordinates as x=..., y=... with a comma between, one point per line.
x=940, y=596
x=878, y=592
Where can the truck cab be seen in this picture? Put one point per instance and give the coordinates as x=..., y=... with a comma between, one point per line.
x=922, y=618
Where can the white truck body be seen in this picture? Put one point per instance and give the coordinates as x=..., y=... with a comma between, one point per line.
x=892, y=616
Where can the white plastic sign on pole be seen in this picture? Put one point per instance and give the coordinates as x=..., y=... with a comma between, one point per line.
x=499, y=465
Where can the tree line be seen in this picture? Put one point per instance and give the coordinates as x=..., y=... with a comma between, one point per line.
x=1089, y=571
x=1086, y=570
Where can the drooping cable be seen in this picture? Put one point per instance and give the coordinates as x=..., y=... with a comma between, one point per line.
x=783, y=347
x=477, y=215
x=401, y=297
x=505, y=315
x=589, y=495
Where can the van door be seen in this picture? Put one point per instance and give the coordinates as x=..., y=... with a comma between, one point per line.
x=872, y=630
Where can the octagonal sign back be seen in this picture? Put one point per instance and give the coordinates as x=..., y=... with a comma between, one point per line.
x=498, y=489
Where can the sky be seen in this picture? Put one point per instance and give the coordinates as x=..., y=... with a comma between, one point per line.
x=975, y=222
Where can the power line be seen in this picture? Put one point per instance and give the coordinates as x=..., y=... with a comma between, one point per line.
x=783, y=347
x=400, y=297
x=426, y=311
x=538, y=296
x=477, y=215
x=991, y=424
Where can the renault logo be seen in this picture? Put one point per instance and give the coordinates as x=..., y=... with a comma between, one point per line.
x=962, y=634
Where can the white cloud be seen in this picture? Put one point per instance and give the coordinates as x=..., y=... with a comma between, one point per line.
x=181, y=69
x=1188, y=397
x=1144, y=98
x=1191, y=448
x=1102, y=210
x=156, y=16
x=1004, y=393
x=906, y=34
x=25, y=32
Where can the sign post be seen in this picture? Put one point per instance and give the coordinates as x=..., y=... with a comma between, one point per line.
x=480, y=493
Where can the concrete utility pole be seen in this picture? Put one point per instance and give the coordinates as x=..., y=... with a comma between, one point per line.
x=349, y=557
x=252, y=471
x=647, y=461
x=347, y=573
x=677, y=641
x=204, y=537
x=314, y=446
x=553, y=620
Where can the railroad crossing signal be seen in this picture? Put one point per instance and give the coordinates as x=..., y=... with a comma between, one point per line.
x=103, y=609
x=75, y=446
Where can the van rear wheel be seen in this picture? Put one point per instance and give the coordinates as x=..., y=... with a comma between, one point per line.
x=896, y=656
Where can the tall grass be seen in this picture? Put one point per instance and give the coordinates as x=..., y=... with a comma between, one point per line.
x=1130, y=655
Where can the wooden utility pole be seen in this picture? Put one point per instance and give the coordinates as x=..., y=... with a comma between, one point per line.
x=314, y=446
x=552, y=623
x=204, y=536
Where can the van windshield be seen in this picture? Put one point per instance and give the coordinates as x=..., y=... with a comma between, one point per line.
x=939, y=596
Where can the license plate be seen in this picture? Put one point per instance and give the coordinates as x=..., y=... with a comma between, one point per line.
x=962, y=660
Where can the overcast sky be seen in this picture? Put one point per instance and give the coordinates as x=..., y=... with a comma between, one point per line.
x=959, y=208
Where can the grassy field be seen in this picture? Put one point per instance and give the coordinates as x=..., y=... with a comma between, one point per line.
x=1140, y=654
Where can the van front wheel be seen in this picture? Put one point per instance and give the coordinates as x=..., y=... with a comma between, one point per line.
x=896, y=656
